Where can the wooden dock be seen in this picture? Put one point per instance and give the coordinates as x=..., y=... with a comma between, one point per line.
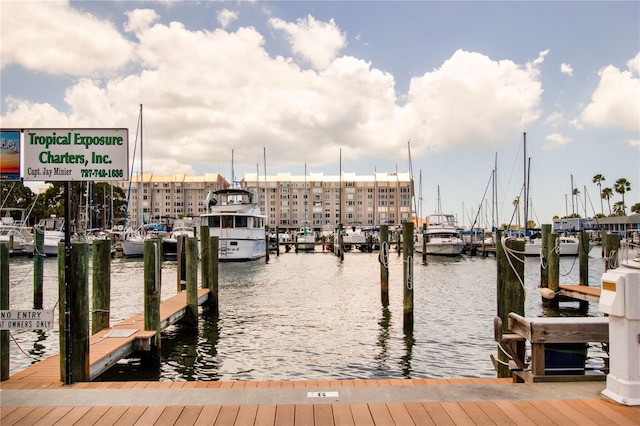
x=304, y=403
x=109, y=346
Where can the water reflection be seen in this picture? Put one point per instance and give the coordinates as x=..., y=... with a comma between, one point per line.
x=310, y=316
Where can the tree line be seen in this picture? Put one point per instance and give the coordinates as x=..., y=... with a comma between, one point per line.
x=621, y=186
x=102, y=202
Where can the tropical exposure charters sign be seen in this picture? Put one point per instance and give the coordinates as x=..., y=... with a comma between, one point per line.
x=75, y=154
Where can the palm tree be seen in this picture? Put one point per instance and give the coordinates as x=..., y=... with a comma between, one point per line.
x=618, y=208
x=635, y=208
x=621, y=186
x=574, y=206
x=606, y=194
x=598, y=179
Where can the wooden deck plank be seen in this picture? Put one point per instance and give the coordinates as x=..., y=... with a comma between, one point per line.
x=130, y=416
x=322, y=415
x=473, y=410
x=92, y=416
x=149, y=416
x=496, y=415
x=34, y=416
x=246, y=414
x=380, y=413
x=571, y=412
x=208, y=415
x=399, y=413
x=457, y=414
x=532, y=412
x=188, y=416
x=266, y=415
x=419, y=414
x=615, y=415
x=227, y=415
x=342, y=414
x=285, y=415
x=112, y=415
x=52, y=416
x=437, y=412
x=513, y=413
x=303, y=415
x=361, y=415
x=72, y=416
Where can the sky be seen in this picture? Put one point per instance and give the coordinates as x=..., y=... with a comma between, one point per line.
x=445, y=90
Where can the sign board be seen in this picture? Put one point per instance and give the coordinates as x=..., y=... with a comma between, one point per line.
x=9, y=155
x=76, y=154
x=26, y=319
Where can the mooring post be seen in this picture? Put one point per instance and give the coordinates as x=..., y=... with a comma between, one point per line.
x=424, y=243
x=277, y=241
x=553, y=265
x=611, y=249
x=544, y=270
x=38, y=266
x=62, y=320
x=181, y=258
x=152, y=290
x=192, y=281
x=407, y=257
x=340, y=252
x=583, y=257
x=510, y=283
x=266, y=243
x=78, y=283
x=4, y=304
x=213, y=274
x=205, y=256
x=101, y=285
x=384, y=264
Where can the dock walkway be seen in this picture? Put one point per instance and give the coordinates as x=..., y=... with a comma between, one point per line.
x=303, y=403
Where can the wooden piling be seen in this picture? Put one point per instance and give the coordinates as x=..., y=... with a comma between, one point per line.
x=78, y=283
x=510, y=283
x=205, y=256
x=4, y=304
x=553, y=262
x=181, y=258
x=152, y=290
x=101, y=285
x=424, y=243
x=191, y=316
x=266, y=242
x=611, y=249
x=583, y=256
x=544, y=270
x=407, y=257
x=213, y=274
x=277, y=241
x=38, y=266
x=384, y=264
x=62, y=317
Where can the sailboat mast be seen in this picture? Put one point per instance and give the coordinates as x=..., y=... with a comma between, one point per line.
x=526, y=185
x=140, y=184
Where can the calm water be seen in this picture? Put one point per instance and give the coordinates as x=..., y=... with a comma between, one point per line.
x=309, y=316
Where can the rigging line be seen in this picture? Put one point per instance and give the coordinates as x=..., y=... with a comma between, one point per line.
x=8, y=193
x=475, y=220
x=133, y=162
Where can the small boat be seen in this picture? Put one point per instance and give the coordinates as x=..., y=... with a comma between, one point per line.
x=442, y=237
x=237, y=221
x=353, y=237
x=53, y=234
x=13, y=230
x=181, y=228
x=567, y=246
x=133, y=242
x=305, y=239
x=629, y=256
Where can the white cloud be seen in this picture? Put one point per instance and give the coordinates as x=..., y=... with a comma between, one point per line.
x=566, y=69
x=557, y=140
x=226, y=17
x=472, y=100
x=53, y=37
x=616, y=100
x=205, y=92
x=315, y=41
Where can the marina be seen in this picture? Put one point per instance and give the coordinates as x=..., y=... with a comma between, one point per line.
x=313, y=317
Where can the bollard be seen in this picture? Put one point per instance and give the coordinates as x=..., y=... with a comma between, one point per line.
x=152, y=290
x=4, y=304
x=192, y=281
x=78, y=312
x=383, y=257
x=38, y=266
x=204, y=256
x=101, y=286
x=213, y=274
x=407, y=257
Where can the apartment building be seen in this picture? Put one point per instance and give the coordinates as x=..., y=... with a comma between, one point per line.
x=324, y=201
x=172, y=196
